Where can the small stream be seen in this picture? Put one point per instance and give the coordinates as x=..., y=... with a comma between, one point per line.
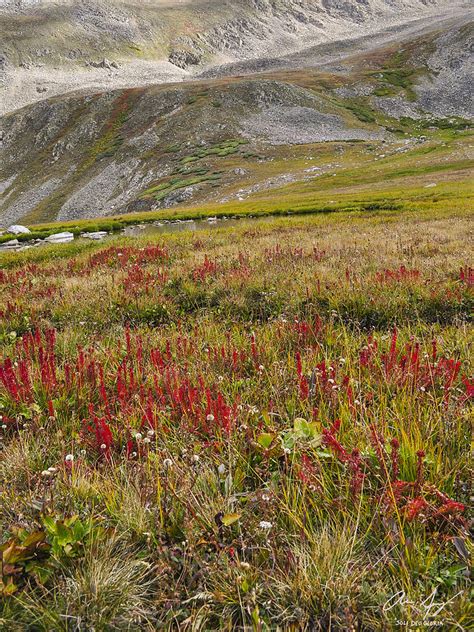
x=158, y=228
x=135, y=230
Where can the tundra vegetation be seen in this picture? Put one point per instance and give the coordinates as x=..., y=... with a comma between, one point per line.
x=265, y=424
x=259, y=427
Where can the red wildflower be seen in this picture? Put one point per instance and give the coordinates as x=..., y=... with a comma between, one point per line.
x=330, y=440
x=414, y=508
x=395, y=457
x=451, y=507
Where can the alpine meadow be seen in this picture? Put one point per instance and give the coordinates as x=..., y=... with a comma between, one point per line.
x=236, y=301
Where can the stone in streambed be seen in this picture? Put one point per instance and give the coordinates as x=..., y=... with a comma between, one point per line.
x=60, y=238
x=100, y=234
x=18, y=229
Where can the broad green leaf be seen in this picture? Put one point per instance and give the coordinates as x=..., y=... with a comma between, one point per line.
x=79, y=530
x=307, y=430
x=13, y=553
x=265, y=439
x=70, y=521
x=8, y=589
x=300, y=425
x=230, y=518
x=68, y=550
x=64, y=535
x=316, y=440
x=34, y=538
x=49, y=524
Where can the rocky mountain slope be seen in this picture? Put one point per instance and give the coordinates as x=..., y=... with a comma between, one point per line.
x=243, y=128
x=50, y=47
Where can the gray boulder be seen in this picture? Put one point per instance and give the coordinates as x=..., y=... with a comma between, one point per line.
x=10, y=245
x=18, y=229
x=60, y=238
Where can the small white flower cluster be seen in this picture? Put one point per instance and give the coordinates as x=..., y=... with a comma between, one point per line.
x=265, y=525
x=146, y=440
x=51, y=471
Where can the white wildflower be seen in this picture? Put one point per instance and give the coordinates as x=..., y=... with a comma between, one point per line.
x=264, y=524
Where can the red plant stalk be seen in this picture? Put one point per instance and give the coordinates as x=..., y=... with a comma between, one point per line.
x=357, y=478
x=330, y=440
x=395, y=456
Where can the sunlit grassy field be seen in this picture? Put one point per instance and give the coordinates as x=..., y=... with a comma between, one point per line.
x=258, y=428
x=433, y=177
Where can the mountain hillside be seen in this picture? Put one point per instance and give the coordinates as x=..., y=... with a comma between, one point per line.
x=50, y=47
x=233, y=138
